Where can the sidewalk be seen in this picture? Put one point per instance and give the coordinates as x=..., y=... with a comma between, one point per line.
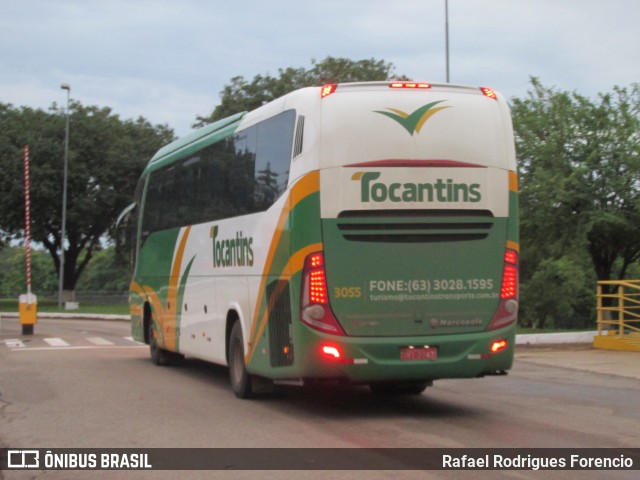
x=555, y=338
x=574, y=350
x=582, y=357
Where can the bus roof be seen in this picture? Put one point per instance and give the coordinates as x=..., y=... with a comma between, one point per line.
x=195, y=140
x=220, y=129
x=409, y=86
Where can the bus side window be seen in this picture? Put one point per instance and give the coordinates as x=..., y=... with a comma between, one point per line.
x=273, y=156
x=243, y=173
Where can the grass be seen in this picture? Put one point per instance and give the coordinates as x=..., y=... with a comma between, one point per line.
x=51, y=306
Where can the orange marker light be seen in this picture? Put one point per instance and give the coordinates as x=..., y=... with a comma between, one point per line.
x=488, y=92
x=328, y=89
x=409, y=85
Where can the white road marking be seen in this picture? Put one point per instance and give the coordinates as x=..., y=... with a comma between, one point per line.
x=17, y=345
x=85, y=347
x=56, y=342
x=99, y=341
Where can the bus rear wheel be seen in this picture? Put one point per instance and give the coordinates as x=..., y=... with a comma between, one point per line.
x=159, y=356
x=241, y=380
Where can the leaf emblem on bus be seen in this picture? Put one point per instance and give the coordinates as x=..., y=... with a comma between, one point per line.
x=413, y=122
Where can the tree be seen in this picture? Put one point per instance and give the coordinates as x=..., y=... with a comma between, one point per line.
x=106, y=157
x=580, y=180
x=105, y=273
x=241, y=95
x=557, y=292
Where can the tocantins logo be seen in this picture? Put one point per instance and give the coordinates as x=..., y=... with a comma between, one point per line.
x=413, y=122
x=234, y=251
x=441, y=190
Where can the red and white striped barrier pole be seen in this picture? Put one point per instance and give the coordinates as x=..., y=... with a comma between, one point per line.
x=27, y=303
x=27, y=218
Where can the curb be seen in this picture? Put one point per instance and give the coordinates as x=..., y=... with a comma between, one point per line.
x=70, y=316
x=524, y=339
x=555, y=338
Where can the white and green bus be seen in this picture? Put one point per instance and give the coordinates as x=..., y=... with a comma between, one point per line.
x=364, y=233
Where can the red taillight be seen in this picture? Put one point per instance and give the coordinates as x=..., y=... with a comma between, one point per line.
x=409, y=85
x=507, y=310
x=314, y=306
x=488, y=92
x=510, y=275
x=328, y=89
x=509, y=282
x=317, y=280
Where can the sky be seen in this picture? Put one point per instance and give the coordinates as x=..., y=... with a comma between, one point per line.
x=168, y=60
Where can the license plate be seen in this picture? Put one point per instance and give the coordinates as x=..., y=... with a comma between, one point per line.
x=410, y=354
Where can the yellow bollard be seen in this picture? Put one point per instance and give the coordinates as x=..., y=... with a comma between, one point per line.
x=28, y=312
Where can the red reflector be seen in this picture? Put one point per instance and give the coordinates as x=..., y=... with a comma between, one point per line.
x=488, y=92
x=328, y=89
x=409, y=85
x=331, y=351
x=498, y=346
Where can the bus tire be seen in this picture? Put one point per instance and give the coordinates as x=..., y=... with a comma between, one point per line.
x=159, y=356
x=241, y=381
x=399, y=388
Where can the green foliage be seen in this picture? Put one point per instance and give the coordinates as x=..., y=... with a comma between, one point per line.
x=13, y=276
x=241, y=95
x=51, y=306
x=106, y=157
x=559, y=294
x=579, y=163
x=106, y=272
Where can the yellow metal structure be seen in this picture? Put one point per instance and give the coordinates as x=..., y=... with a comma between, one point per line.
x=28, y=312
x=618, y=315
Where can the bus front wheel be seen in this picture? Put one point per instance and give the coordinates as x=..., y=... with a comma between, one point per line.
x=241, y=381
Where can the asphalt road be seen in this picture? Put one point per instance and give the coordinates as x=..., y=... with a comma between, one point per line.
x=91, y=386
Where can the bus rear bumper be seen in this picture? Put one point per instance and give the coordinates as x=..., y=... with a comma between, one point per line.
x=366, y=359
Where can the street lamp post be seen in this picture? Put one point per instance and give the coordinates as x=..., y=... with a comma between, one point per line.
x=446, y=35
x=67, y=87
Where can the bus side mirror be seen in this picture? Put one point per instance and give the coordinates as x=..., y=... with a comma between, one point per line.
x=126, y=227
